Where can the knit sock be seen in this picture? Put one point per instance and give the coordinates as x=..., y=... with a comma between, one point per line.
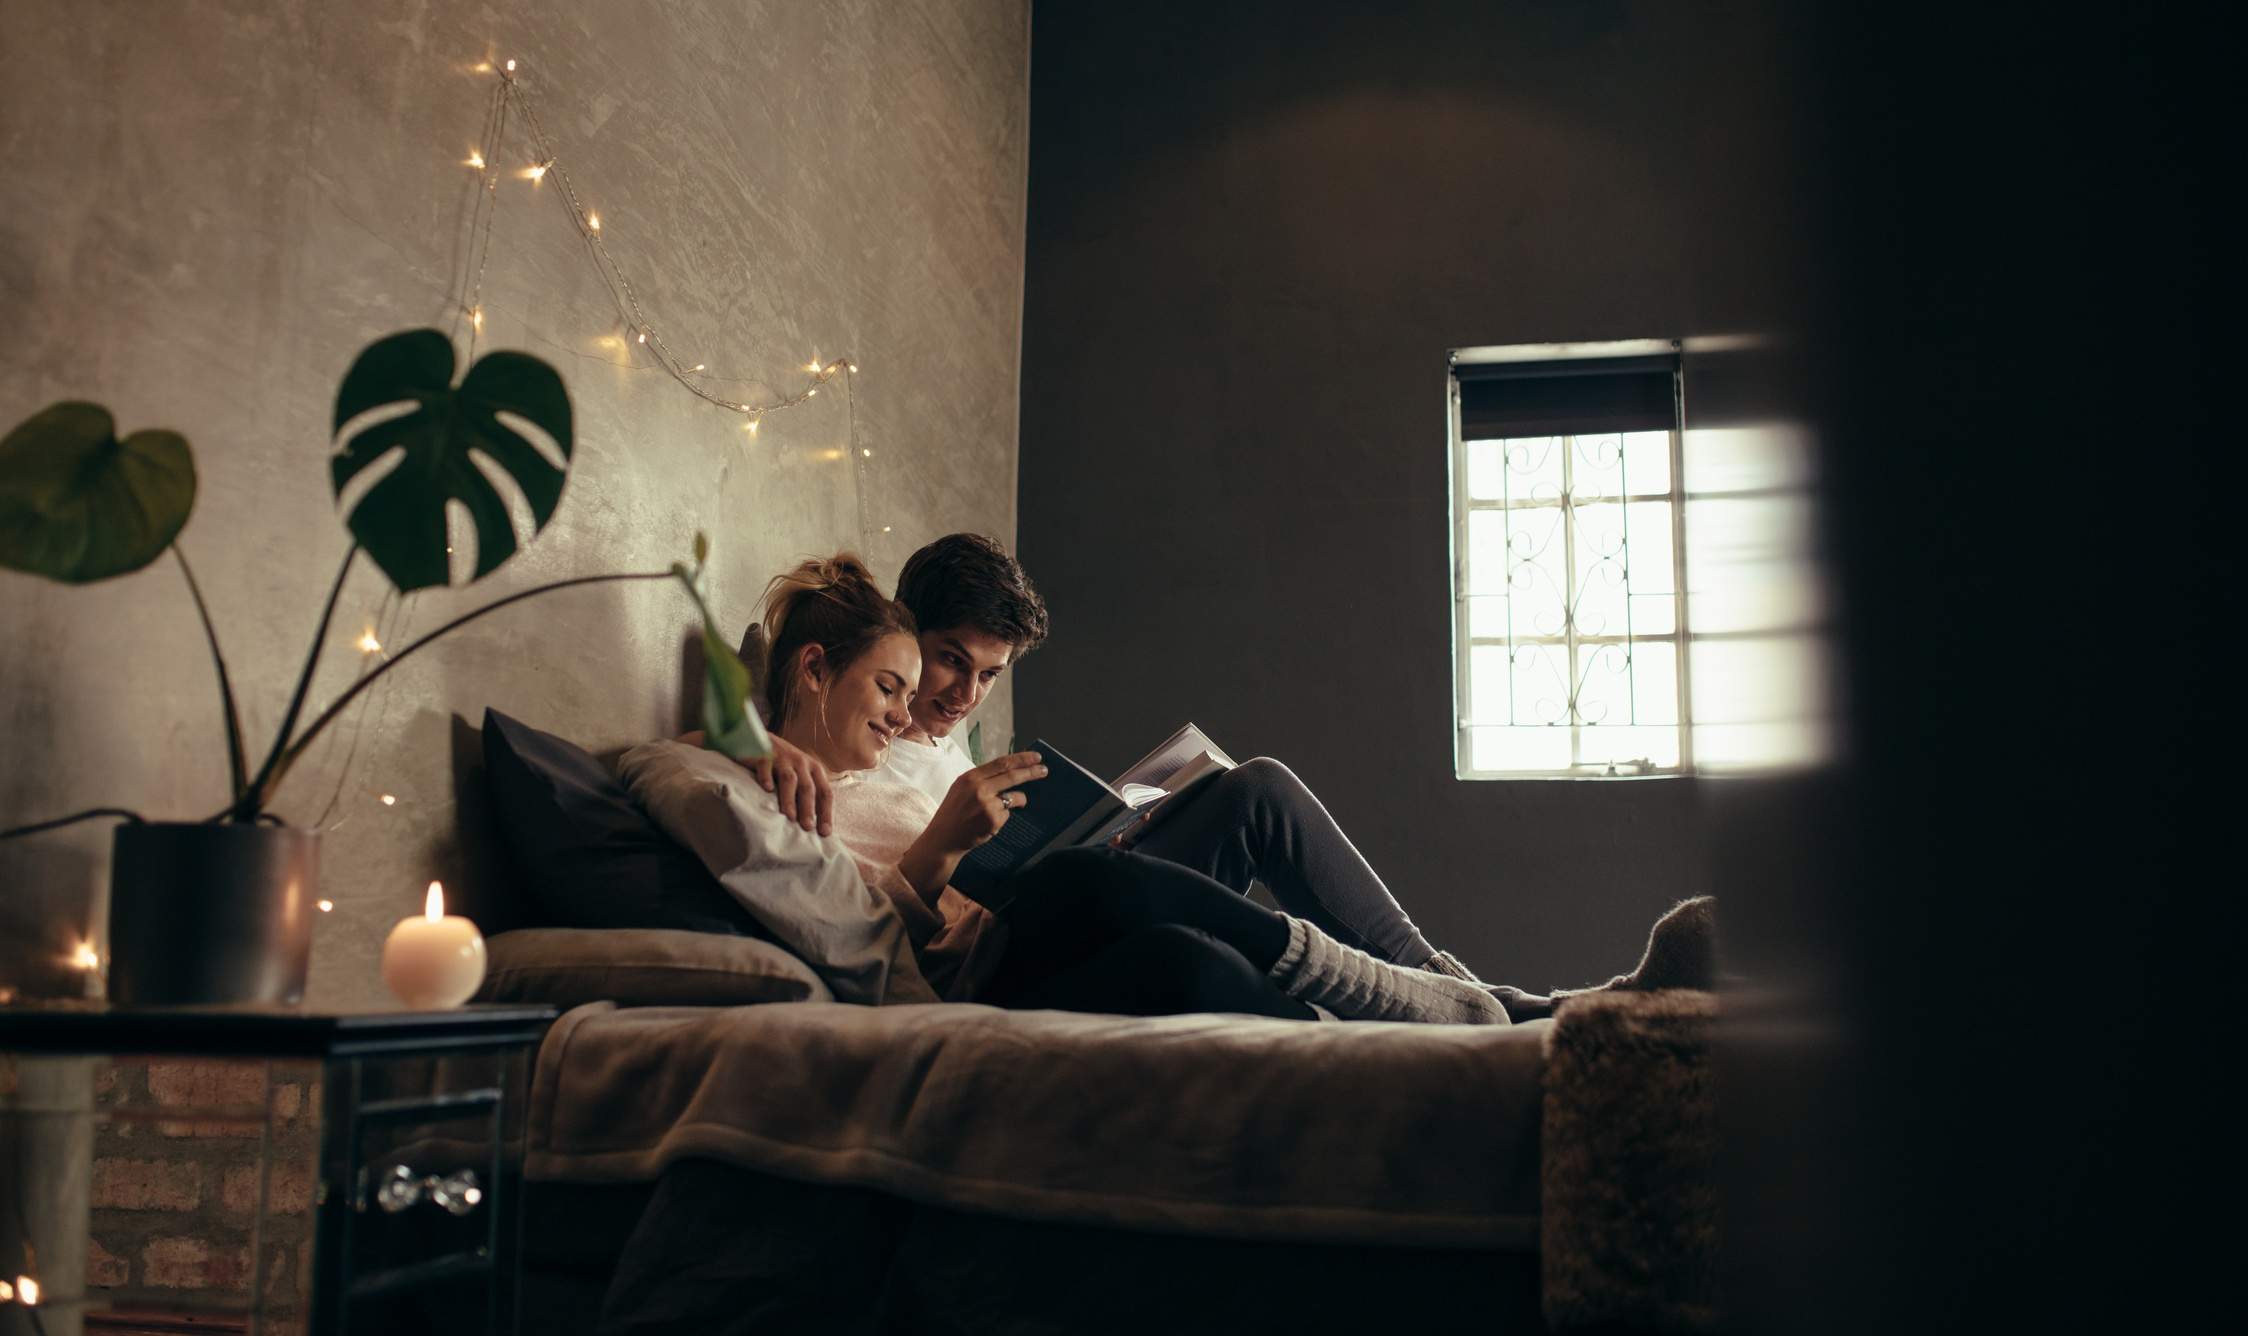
x=1520, y=1006
x=1681, y=953
x=1444, y=962
x=1323, y=972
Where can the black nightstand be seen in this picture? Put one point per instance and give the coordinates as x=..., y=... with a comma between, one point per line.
x=416, y=1205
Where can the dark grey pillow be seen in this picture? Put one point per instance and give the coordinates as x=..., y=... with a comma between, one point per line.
x=590, y=856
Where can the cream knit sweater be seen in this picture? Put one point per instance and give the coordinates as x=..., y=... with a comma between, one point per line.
x=956, y=940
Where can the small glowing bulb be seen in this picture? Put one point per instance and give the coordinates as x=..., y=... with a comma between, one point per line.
x=369, y=645
x=698, y=366
x=477, y=317
x=475, y=159
x=813, y=367
x=593, y=220
x=29, y=1289
x=511, y=67
x=433, y=908
x=813, y=392
x=751, y=426
x=327, y=906
x=7, y=1291
x=869, y=454
x=854, y=368
x=536, y=172
x=643, y=336
x=85, y=957
x=885, y=528
x=389, y=800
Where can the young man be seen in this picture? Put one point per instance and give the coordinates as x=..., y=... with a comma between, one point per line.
x=978, y=614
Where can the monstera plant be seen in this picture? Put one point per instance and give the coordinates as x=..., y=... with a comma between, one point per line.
x=79, y=503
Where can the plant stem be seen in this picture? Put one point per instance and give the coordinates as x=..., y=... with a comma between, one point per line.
x=269, y=783
x=250, y=800
x=35, y=827
x=237, y=760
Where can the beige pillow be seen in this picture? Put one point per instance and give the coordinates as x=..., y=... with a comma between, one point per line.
x=643, y=967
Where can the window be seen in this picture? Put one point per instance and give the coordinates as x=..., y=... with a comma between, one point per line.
x=1630, y=597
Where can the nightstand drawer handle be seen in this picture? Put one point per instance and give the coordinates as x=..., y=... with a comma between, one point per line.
x=456, y=1193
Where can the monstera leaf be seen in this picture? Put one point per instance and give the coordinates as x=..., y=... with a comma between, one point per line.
x=78, y=505
x=401, y=520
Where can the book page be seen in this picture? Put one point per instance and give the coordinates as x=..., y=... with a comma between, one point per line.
x=1140, y=795
x=1204, y=763
x=1158, y=766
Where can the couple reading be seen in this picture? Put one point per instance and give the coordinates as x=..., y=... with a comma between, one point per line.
x=865, y=693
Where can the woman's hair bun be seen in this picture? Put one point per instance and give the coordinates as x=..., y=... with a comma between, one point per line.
x=832, y=602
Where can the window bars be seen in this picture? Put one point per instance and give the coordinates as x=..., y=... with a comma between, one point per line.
x=1635, y=583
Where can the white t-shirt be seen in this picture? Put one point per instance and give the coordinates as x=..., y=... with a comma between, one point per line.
x=929, y=769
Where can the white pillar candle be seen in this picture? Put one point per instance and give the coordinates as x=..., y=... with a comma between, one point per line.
x=434, y=962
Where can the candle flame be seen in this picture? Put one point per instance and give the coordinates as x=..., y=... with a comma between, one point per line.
x=433, y=908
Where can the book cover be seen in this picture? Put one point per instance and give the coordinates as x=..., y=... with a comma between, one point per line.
x=1070, y=806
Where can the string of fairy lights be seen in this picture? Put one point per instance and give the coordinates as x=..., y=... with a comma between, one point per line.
x=509, y=100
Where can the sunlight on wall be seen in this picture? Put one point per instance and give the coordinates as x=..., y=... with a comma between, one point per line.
x=1755, y=604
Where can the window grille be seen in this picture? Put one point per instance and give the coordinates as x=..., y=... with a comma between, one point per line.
x=1575, y=491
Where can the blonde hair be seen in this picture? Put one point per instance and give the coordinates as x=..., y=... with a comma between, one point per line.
x=833, y=603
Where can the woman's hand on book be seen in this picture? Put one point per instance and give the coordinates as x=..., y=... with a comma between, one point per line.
x=973, y=810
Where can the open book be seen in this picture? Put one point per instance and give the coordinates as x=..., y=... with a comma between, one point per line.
x=1072, y=806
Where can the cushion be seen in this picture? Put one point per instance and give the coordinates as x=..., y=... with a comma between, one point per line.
x=589, y=854
x=804, y=888
x=643, y=967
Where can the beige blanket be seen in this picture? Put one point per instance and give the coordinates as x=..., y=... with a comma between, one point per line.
x=1227, y=1126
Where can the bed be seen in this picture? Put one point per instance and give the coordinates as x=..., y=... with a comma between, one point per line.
x=715, y=1143
x=820, y=1167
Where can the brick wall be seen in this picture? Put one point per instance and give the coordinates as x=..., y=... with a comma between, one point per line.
x=175, y=1184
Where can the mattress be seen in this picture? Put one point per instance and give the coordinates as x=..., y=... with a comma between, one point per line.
x=1209, y=1126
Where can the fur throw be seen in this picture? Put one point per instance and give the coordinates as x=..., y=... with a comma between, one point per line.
x=1629, y=1234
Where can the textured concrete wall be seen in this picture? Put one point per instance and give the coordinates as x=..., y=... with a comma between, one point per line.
x=210, y=207
x=1249, y=253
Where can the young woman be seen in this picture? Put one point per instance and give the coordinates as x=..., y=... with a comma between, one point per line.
x=1104, y=929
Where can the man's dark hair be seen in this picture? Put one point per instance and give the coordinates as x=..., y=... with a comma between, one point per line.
x=966, y=579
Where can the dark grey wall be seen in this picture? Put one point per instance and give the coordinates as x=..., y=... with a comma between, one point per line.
x=1255, y=229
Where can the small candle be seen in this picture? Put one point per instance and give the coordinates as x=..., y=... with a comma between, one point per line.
x=435, y=962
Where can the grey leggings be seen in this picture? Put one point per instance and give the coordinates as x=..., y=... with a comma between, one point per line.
x=1258, y=822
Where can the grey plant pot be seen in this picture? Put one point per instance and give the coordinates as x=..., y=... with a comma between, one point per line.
x=203, y=914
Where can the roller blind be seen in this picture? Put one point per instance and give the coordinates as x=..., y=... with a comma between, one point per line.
x=1585, y=396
